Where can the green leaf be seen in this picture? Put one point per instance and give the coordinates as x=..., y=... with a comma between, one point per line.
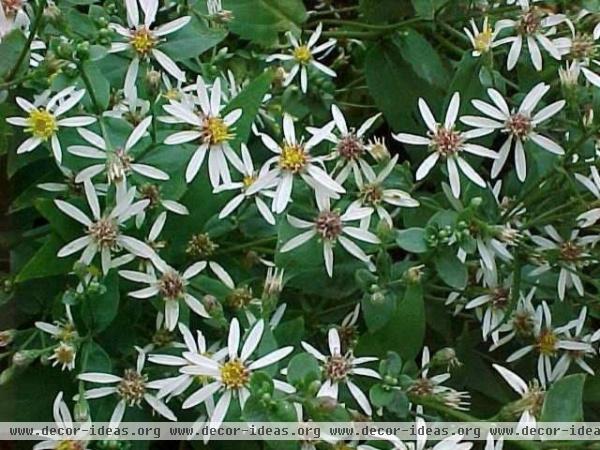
x=466, y=81
x=384, y=11
x=412, y=240
x=94, y=359
x=378, y=309
x=451, y=270
x=424, y=59
x=302, y=370
x=10, y=48
x=428, y=8
x=249, y=100
x=66, y=227
x=192, y=40
x=388, y=73
x=405, y=331
x=99, y=85
x=100, y=310
x=563, y=401
x=45, y=263
x=261, y=20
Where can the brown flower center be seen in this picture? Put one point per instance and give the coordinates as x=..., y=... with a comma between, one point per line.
x=132, y=387
x=350, y=147
x=171, y=285
x=329, y=225
x=519, y=125
x=104, y=232
x=337, y=368
x=446, y=142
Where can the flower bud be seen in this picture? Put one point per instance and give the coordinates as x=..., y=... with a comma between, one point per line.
x=445, y=357
x=414, y=274
x=6, y=337
x=23, y=358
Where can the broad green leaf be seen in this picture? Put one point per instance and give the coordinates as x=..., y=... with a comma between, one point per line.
x=100, y=310
x=192, y=40
x=302, y=370
x=262, y=20
x=405, y=331
x=45, y=263
x=385, y=11
x=62, y=224
x=451, y=270
x=424, y=59
x=249, y=100
x=99, y=92
x=412, y=240
x=394, y=85
x=466, y=81
x=563, y=401
x=11, y=47
x=428, y=8
x=94, y=358
x=378, y=309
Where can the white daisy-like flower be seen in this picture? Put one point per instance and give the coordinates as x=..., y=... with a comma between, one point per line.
x=496, y=302
x=78, y=435
x=592, y=184
x=170, y=286
x=103, y=231
x=132, y=388
x=533, y=27
x=571, y=254
x=44, y=122
x=482, y=40
x=583, y=50
x=427, y=385
x=350, y=148
x=130, y=108
x=339, y=368
x=13, y=16
x=372, y=193
x=65, y=352
x=145, y=41
x=116, y=163
x=178, y=384
x=548, y=341
x=250, y=177
x=231, y=376
x=449, y=443
x=213, y=131
x=577, y=356
x=293, y=160
x=305, y=55
x=532, y=396
x=330, y=227
x=521, y=322
x=520, y=125
x=445, y=142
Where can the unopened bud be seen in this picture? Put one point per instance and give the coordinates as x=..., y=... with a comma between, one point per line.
x=23, y=358
x=378, y=150
x=153, y=79
x=6, y=337
x=415, y=273
x=81, y=410
x=7, y=375
x=445, y=357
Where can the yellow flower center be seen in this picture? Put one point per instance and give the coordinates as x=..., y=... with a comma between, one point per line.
x=216, y=131
x=302, y=54
x=67, y=332
x=142, y=41
x=546, y=342
x=64, y=354
x=483, y=40
x=172, y=94
x=293, y=158
x=42, y=124
x=248, y=180
x=234, y=374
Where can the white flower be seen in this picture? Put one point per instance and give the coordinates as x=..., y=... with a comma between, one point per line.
x=496, y=300
x=232, y=375
x=350, y=147
x=548, y=340
x=490, y=445
x=482, y=41
x=577, y=356
x=294, y=159
x=65, y=332
x=145, y=41
x=175, y=386
x=303, y=55
x=445, y=142
x=532, y=396
x=44, y=122
x=213, y=131
x=130, y=108
x=103, y=231
x=330, y=228
x=117, y=163
x=250, y=177
x=339, y=368
x=520, y=125
x=13, y=16
x=571, y=255
x=583, y=51
x=131, y=389
x=171, y=287
x=533, y=27
x=373, y=194
x=592, y=184
x=78, y=435
x=521, y=323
